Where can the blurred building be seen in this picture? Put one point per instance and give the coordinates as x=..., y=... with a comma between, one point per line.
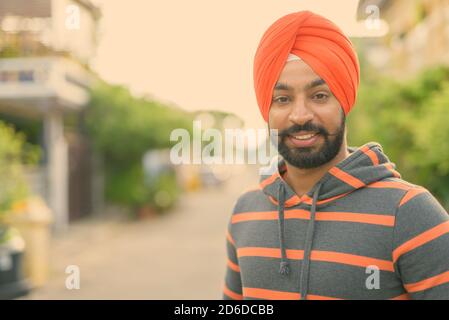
x=46, y=47
x=418, y=36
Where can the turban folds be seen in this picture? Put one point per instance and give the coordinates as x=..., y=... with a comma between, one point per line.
x=319, y=43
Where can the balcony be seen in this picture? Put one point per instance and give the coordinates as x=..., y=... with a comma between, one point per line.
x=33, y=86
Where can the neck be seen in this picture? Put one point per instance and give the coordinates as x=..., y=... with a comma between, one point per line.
x=302, y=180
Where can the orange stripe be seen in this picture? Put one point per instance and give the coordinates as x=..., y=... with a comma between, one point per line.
x=390, y=185
x=270, y=294
x=389, y=166
x=270, y=215
x=316, y=255
x=421, y=239
x=269, y=252
x=233, y=266
x=315, y=297
x=231, y=294
x=411, y=194
x=356, y=217
x=428, y=283
x=377, y=219
x=250, y=216
x=351, y=259
x=378, y=184
x=229, y=237
x=269, y=180
x=371, y=154
x=306, y=199
x=297, y=214
x=346, y=178
x=294, y=200
x=404, y=296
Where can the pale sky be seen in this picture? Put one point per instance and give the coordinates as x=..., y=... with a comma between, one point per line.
x=198, y=54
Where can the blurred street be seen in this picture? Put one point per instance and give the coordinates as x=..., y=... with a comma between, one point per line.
x=178, y=256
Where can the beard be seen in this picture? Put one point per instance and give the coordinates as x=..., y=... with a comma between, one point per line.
x=307, y=157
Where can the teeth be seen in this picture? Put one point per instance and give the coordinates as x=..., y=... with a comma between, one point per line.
x=305, y=137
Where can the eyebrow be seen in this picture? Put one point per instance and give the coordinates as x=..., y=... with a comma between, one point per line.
x=315, y=83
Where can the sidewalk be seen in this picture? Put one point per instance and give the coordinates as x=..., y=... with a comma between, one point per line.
x=178, y=256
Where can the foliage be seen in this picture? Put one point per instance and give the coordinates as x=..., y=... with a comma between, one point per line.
x=123, y=128
x=15, y=153
x=410, y=119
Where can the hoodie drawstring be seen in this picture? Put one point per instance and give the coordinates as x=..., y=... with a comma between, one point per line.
x=304, y=278
x=284, y=268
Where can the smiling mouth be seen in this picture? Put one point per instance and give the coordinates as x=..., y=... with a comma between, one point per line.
x=304, y=137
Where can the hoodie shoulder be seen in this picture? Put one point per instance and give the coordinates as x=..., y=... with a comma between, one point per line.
x=402, y=184
x=400, y=190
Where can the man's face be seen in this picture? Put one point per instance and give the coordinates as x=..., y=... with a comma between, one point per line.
x=308, y=117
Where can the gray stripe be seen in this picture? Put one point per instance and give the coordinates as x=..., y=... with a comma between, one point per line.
x=349, y=282
x=416, y=216
x=440, y=292
x=262, y=272
x=425, y=261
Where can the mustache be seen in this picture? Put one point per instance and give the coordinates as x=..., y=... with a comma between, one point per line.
x=306, y=127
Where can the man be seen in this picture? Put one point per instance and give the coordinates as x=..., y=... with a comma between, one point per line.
x=332, y=222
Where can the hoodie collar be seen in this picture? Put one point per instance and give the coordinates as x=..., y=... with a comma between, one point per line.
x=365, y=165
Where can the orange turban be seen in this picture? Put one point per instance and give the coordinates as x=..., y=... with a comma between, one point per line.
x=317, y=41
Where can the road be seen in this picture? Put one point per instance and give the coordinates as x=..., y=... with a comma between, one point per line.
x=180, y=255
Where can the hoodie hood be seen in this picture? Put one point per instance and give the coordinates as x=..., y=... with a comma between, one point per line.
x=364, y=166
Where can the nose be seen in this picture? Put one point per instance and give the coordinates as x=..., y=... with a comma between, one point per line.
x=300, y=112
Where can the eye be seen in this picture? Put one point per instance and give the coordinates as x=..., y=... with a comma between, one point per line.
x=320, y=97
x=281, y=100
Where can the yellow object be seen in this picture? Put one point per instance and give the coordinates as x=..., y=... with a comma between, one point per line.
x=33, y=219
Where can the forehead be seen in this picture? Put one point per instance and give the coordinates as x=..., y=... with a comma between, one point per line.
x=297, y=72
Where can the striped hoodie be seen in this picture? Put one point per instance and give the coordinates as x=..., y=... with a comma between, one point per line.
x=360, y=233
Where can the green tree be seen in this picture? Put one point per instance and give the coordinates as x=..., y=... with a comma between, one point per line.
x=123, y=128
x=15, y=153
x=410, y=120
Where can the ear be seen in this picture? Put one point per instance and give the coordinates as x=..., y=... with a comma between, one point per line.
x=343, y=117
